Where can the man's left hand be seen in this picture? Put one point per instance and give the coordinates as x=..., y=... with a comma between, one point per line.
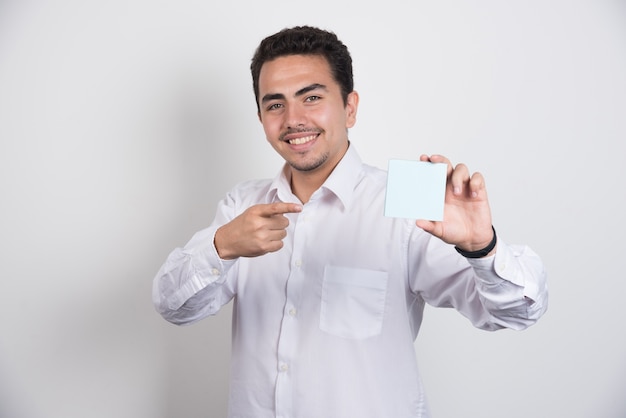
x=467, y=215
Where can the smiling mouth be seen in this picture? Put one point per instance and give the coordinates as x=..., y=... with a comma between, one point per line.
x=302, y=140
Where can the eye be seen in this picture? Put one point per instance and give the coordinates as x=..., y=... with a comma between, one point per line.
x=274, y=106
x=312, y=98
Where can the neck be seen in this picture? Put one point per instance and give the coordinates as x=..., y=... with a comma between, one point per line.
x=303, y=185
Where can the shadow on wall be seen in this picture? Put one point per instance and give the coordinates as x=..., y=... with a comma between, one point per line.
x=209, y=156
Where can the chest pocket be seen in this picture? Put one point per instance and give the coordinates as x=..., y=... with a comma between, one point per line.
x=353, y=302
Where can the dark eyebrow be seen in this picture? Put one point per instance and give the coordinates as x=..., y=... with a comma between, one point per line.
x=312, y=87
x=302, y=91
x=275, y=96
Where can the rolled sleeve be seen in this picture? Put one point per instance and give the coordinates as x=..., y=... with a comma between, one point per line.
x=514, y=281
x=188, y=271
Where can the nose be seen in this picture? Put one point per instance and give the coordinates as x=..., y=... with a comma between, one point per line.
x=295, y=116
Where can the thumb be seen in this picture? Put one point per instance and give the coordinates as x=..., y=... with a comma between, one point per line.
x=428, y=226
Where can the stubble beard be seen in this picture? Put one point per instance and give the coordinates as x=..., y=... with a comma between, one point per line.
x=307, y=166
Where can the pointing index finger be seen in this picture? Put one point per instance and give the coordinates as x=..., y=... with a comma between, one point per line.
x=279, y=208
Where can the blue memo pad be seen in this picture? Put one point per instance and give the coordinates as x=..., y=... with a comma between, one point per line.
x=415, y=190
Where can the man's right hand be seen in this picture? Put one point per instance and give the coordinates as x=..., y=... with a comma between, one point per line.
x=259, y=230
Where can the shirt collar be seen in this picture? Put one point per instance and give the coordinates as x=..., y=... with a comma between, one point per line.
x=341, y=182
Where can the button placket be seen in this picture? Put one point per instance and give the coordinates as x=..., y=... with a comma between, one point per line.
x=287, y=343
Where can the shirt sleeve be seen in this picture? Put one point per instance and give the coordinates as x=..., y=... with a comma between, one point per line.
x=194, y=282
x=505, y=290
x=512, y=285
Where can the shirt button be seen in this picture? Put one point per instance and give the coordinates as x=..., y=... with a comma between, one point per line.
x=284, y=367
x=215, y=272
x=293, y=312
x=298, y=263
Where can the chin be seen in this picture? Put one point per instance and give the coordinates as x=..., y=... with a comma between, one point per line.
x=307, y=166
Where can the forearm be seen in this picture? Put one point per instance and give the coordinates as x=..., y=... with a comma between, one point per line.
x=504, y=290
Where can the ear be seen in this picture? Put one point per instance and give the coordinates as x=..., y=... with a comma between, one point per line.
x=351, y=108
x=259, y=116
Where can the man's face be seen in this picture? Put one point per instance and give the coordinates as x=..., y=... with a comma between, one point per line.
x=303, y=113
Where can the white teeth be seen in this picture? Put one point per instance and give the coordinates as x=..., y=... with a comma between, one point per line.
x=303, y=140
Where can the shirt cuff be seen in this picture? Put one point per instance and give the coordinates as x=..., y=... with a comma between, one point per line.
x=510, y=263
x=206, y=258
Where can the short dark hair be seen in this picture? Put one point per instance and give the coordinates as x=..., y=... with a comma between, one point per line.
x=305, y=40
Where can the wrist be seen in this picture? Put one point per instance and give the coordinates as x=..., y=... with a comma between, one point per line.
x=220, y=248
x=483, y=252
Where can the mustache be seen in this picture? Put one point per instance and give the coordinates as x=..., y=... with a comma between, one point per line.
x=292, y=131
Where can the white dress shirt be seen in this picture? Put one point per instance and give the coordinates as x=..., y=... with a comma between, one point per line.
x=325, y=327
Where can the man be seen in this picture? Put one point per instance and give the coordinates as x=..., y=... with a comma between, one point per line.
x=329, y=293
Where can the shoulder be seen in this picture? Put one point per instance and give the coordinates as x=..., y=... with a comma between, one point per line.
x=373, y=176
x=250, y=185
x=251, y=190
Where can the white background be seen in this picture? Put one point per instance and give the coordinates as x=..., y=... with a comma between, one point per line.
x=123, y=122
